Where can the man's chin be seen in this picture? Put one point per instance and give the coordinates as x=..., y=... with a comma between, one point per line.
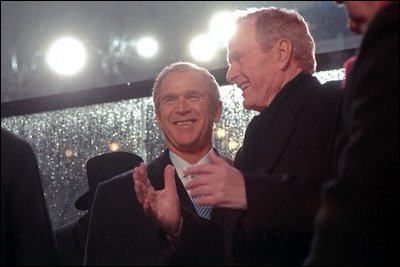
x=247, y=106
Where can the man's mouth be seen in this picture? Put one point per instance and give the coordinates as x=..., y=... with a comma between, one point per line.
x=184, y=123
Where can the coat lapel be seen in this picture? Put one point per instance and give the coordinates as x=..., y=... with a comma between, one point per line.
x=274, y=146
x=156, y=172
x=285, y=125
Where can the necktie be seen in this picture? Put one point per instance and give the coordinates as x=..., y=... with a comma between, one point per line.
x=202, y=211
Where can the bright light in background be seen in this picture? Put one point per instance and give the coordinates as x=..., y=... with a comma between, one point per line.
x=220, y=132
x=114, y=146
x=222, y=27
x=203, y=48
x=66, y=56
x=232, y=145
x=69, y=152
x=147, y=47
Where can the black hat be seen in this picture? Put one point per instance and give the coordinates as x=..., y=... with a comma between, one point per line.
x=103, y=167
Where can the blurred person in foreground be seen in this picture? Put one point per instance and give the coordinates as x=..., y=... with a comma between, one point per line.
x=358, y=221
x=26, y=231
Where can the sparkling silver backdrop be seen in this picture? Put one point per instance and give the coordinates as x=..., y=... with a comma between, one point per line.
x=64, y=140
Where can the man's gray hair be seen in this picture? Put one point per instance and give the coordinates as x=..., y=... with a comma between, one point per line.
x=274, y=23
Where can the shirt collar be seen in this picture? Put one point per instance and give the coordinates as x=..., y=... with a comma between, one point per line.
x=181, y=164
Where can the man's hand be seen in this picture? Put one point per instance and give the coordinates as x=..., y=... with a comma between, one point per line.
x=219, y=184
x=163, y=205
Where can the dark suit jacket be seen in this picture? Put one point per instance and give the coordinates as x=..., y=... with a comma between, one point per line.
x=283, y=178
x=71, y=240
x=26, y=231
x=121, y=234
x=358, y=223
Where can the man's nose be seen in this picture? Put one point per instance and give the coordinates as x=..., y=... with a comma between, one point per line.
x=182, y=105
x=231, y=74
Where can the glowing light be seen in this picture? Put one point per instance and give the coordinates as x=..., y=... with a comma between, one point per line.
x=220, y=132
x=232, y=145
x=69, y=153
x=14, y=63
x=66, y=56
x=113, y=146
x=222, y=27
x=147, y=47
x=203, y=48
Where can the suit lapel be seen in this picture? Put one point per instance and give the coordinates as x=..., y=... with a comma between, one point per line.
x=156, y=172
x=274, y=146
x=284, y=127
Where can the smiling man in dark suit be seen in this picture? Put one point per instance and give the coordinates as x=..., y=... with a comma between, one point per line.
x=187, y=105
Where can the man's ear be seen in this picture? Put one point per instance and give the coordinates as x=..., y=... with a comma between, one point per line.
x=285, y=53
x=218, y=112
x=158, y=119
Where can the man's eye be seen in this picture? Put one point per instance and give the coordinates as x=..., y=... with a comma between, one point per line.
x=168, y=100
x=193, y=97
